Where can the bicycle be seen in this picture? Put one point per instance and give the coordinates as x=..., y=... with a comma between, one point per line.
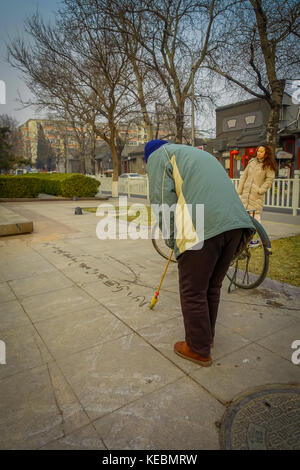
x=248, y=270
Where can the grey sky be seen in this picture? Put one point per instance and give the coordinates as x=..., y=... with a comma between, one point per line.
x=12, y=15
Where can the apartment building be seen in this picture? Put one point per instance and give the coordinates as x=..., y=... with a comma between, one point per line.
x=46, y=139
x=54, y=144
x=50, y=144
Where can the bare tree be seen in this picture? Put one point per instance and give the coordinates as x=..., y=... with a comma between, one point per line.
x=166, y=41
x=86, y=140
x=177, y=54
x=72, y=69
x=259, y=51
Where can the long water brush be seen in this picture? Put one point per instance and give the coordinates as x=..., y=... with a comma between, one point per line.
x=155, y=298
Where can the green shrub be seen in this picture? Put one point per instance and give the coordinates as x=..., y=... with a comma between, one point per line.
x=50, y=186
x=79, y=185
x=56, y=184
x=18, y=186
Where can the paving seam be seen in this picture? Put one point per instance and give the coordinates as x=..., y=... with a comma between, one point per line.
x=23, y=297
x=53, y=358
x=73, y=432
x=273, y=352
x=157, y=390
x=165, y=357
x=56, y=401
x=15, y=297
x=147, y=342
x=57, y=365
x=141, y=337
x=257, y=339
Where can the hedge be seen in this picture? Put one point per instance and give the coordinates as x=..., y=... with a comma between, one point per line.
x=49, y=184
x=18, y=186
x=79, y=185
x=57, y=184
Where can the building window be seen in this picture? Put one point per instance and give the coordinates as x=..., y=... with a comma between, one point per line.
x=250, y=119
x=231, y=123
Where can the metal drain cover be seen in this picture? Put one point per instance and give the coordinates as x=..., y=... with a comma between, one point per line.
x=265, y=418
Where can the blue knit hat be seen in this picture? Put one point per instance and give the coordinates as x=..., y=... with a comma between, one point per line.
x=153, y=145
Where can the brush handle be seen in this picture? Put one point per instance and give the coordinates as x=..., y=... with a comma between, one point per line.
x=171, y=254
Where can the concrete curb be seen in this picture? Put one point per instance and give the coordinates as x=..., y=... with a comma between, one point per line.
x=13, y=224
x=281, y=287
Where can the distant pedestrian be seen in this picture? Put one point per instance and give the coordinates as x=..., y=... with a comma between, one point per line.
x=257, y=179
x=186, y=178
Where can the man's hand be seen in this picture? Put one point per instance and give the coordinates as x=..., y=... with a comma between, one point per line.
x=170, y=243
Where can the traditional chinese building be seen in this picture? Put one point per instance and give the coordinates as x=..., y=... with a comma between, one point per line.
x=241, y=127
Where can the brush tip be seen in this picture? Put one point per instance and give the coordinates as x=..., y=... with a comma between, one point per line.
x=153, y=302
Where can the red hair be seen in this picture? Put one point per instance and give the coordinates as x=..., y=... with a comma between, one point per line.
x=269, y=160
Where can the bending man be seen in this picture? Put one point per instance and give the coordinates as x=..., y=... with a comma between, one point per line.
x=185, y=177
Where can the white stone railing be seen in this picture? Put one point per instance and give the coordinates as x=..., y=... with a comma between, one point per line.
x=284, y=193
x=126, y=186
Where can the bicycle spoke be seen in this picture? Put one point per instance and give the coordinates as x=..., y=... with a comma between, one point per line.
x=159, y=244
x=252, y=264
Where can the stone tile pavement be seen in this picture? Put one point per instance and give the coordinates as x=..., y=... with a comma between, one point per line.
x=90, y=366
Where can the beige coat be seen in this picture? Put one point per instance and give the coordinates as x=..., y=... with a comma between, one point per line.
x=253, y=185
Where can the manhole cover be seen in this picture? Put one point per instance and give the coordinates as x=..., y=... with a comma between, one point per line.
x=265, y=418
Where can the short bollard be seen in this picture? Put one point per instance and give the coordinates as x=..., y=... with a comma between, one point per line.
x=78, y=211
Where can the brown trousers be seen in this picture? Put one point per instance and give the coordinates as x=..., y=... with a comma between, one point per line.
x=201, y=273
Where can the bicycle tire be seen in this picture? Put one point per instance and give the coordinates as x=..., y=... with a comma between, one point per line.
x=253, y=279
x=161, y=248
x=257, y=279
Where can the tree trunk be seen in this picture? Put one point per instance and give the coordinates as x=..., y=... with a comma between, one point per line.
x=82, y=161
x=116, y=166
x=273, y=121
x=179, y=122
x=143, y=105
x=93, y=152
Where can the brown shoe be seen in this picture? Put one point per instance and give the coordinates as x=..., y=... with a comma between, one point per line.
x=183, y=350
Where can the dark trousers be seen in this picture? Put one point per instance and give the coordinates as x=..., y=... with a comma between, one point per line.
x=201, y=273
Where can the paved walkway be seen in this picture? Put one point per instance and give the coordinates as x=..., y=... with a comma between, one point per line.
x=90, y=366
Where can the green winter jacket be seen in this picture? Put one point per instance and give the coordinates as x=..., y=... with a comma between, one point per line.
x=188, y=179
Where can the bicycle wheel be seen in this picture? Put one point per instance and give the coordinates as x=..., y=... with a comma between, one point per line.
x=159, y=244
x=250, y=268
